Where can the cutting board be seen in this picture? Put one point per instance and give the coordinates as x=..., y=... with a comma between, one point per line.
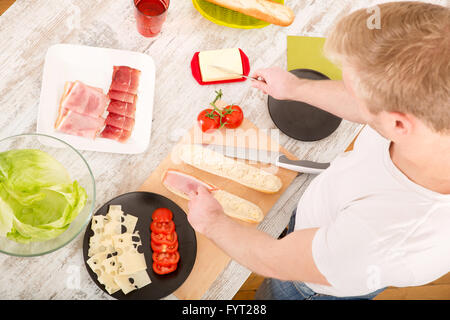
x=211, y=260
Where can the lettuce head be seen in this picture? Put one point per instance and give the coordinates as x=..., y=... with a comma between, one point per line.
x=38, y=200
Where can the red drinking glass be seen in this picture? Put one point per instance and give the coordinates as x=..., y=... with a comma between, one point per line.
x=150, y=16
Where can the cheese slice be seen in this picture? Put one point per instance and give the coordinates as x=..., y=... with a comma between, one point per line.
x=227, y=58
x=130, y=262
x=95, y=262
x=109, y=283
x=127, y=242
x=132, y=282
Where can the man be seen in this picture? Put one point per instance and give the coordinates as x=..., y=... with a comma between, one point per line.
x=380, y=215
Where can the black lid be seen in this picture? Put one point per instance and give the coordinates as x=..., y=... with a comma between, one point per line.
x=300, y=120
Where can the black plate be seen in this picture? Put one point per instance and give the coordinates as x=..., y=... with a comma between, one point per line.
x=300, y=120
x=142, y=205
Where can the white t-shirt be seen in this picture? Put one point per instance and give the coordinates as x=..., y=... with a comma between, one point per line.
x=377, y=228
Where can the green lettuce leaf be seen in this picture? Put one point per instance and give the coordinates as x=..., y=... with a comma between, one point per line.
x=38, y=201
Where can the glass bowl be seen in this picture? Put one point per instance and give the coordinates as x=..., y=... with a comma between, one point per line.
x=78, y=170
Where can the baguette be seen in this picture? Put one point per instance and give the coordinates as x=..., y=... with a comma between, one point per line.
x=232, y=205
x=266, y=10
x=238, y=171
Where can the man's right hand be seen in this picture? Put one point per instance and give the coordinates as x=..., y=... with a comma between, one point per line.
x=278, y=83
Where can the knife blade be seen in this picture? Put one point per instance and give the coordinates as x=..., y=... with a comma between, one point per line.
x=270, y=157
x=235, y=73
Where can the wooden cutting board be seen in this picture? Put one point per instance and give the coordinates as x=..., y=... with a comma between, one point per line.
x=211, y=260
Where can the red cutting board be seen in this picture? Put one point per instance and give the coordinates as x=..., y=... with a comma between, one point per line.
x=211, y=260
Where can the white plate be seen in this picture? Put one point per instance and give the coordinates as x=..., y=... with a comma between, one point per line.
x=94, y=66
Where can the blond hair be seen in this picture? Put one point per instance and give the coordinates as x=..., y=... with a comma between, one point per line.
x=404, y=66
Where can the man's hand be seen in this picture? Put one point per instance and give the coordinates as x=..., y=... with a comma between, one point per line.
x=205, y=212
x=279, y=83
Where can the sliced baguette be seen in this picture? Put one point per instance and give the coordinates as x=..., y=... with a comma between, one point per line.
x=238, y=171
x=232, y=205
x=266, y=10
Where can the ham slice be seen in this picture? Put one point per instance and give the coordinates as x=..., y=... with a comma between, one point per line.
x=119, y=121
x=85, y=99
x=114, y=133
x=183, y=184
x=125, y=79
x=80, y=110
x=122, y=96
x=122, y=108
x=78, y=124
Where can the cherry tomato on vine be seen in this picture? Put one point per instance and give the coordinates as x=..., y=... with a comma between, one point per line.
x=208, y=120
x=232, y=116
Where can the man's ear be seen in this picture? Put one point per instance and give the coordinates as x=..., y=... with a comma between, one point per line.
x=401, y=123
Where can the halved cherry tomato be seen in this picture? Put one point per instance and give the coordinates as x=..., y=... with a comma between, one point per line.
x=157, y=247
x=165, y=258
x=162, y=215
x=208, y=120
x=162, y=227
x=159, y=269
x=232, y=116
x=161, y=238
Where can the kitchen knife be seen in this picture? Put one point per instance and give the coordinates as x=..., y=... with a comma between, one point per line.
x=235, y=73
x=270, y=157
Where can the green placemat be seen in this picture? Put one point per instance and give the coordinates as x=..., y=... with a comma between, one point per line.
x=226, y=17
x=306, y=53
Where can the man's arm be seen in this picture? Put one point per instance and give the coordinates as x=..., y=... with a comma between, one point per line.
x=329, y=95
x=287, y=259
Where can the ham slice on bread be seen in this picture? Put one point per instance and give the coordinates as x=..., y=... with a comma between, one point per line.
x=183, y=184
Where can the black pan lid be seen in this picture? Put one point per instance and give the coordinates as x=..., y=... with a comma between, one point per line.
x=300, y=120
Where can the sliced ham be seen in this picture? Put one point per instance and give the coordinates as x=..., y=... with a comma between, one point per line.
x=114, y=133
x=122, y=108
x=122, y=96
x=84, y=99
x=78, y=124
x=183, y=184
x=121, y=122
x=125, y=79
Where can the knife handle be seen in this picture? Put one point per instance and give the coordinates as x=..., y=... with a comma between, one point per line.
x=304, y=166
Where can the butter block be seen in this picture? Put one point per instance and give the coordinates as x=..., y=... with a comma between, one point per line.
x=225, y=58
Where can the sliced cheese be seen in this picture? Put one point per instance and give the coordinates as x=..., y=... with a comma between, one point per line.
x=127, y=242
x=130, y=262
x=132, y=282
x=227, y=58
x=113, y=252
x=109, y=283
x=95, y=263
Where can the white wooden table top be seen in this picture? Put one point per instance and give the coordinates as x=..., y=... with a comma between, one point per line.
x=28, y=28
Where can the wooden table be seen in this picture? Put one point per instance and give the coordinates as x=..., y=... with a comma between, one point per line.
x=28, y=28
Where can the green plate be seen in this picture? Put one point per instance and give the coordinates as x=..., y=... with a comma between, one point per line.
x=228, y=18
